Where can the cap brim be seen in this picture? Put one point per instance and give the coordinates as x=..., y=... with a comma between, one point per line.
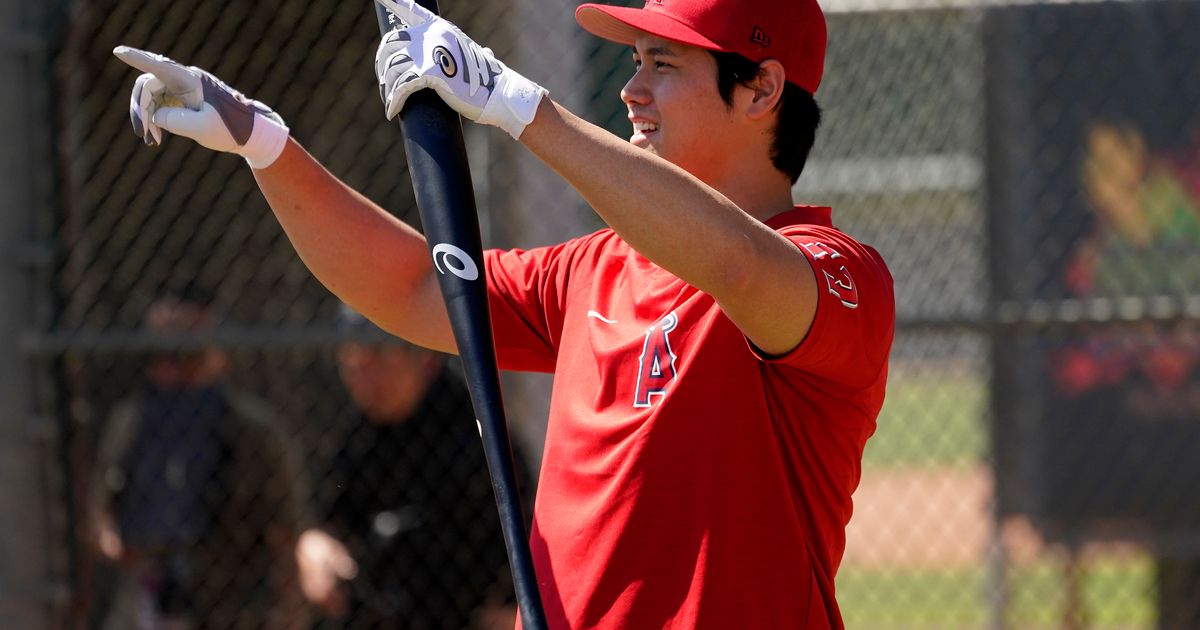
x=624, y=24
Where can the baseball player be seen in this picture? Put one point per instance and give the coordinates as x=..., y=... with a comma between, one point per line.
x=719, y=353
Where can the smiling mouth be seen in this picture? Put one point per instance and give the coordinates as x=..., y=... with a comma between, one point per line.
x=644, y=127
x=641, y=133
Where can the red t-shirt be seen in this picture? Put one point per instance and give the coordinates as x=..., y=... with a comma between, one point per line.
x=687, y=480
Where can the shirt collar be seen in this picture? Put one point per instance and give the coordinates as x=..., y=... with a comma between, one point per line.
x=814, y=215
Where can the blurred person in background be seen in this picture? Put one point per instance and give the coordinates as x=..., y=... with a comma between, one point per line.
x=194, y=496
x=409, y=534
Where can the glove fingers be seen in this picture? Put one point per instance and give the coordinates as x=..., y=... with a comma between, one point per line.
x=197, y=125
x=138, y=115
x=155, y=131
x=395, y=65
x=411, y=13
x=402, y=89
x=152, y=97
x=178, y=79
x=145, y=61
x=143, y=100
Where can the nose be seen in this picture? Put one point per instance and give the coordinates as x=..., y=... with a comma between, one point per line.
x=635, y=91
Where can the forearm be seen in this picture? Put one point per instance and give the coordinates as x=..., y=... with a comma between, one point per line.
x=372, y=261
x=663, y=212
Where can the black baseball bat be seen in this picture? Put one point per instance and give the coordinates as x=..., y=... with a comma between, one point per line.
x=441, y=176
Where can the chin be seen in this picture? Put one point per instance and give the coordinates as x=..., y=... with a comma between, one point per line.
x=646, y=145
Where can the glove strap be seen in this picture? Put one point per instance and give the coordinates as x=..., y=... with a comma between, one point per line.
x=515, y=104
x=266, y=142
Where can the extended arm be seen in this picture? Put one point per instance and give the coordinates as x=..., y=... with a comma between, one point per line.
x=761, y=280
x=369, y=259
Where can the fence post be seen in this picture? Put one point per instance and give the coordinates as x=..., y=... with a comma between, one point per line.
x=27, y=585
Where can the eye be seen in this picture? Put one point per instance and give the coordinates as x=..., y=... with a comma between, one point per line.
x=658, y=64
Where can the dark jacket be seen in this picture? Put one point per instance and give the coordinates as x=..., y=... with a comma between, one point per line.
x=208, y=492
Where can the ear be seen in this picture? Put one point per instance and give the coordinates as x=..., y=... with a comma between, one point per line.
x=766, y=90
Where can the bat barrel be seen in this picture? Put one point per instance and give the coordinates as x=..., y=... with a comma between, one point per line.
x=437, y=160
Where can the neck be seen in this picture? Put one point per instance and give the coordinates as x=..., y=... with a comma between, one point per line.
x=757, y=187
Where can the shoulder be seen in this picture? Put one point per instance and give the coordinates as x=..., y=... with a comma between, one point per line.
x=598, y=243
x=555, y=271
x=811, y=229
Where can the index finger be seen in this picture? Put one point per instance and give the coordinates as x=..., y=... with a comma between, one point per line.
x=410, y=12
x=176, y=77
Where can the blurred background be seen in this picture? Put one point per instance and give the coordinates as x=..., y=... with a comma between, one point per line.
x=180, y=400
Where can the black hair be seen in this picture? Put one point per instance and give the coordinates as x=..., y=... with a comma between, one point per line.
x=799, y=114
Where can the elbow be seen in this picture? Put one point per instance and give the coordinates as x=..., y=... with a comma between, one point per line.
x=736, y=270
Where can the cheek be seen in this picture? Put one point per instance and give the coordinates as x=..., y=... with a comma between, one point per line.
x=695, y=115
x=680, y=128
x=691, y=139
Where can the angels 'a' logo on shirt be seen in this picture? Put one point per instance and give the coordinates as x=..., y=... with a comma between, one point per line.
x=656, y=365
x=837, y=280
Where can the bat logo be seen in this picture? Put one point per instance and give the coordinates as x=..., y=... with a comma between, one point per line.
x=446, y=61
x=457, y=261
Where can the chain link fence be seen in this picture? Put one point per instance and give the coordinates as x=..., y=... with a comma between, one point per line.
x=1029, y=172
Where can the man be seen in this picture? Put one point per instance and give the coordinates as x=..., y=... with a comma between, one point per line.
x=719, y=355
x=194, y=495
x=409, y=534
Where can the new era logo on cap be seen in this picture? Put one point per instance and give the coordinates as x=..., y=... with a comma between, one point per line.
x=759, y=36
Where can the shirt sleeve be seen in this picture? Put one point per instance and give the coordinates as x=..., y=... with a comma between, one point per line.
x=852, y=330
x=525, y=294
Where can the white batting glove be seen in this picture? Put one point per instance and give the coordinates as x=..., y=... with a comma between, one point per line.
x=190, y=102
x=428, y=51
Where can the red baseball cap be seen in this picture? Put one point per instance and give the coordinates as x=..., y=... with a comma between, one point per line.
x=791, y=31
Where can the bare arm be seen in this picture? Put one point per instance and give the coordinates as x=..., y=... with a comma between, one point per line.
x=760, y=279
x=372, y=261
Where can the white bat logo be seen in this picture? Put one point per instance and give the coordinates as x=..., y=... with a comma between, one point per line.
x=457, y=261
